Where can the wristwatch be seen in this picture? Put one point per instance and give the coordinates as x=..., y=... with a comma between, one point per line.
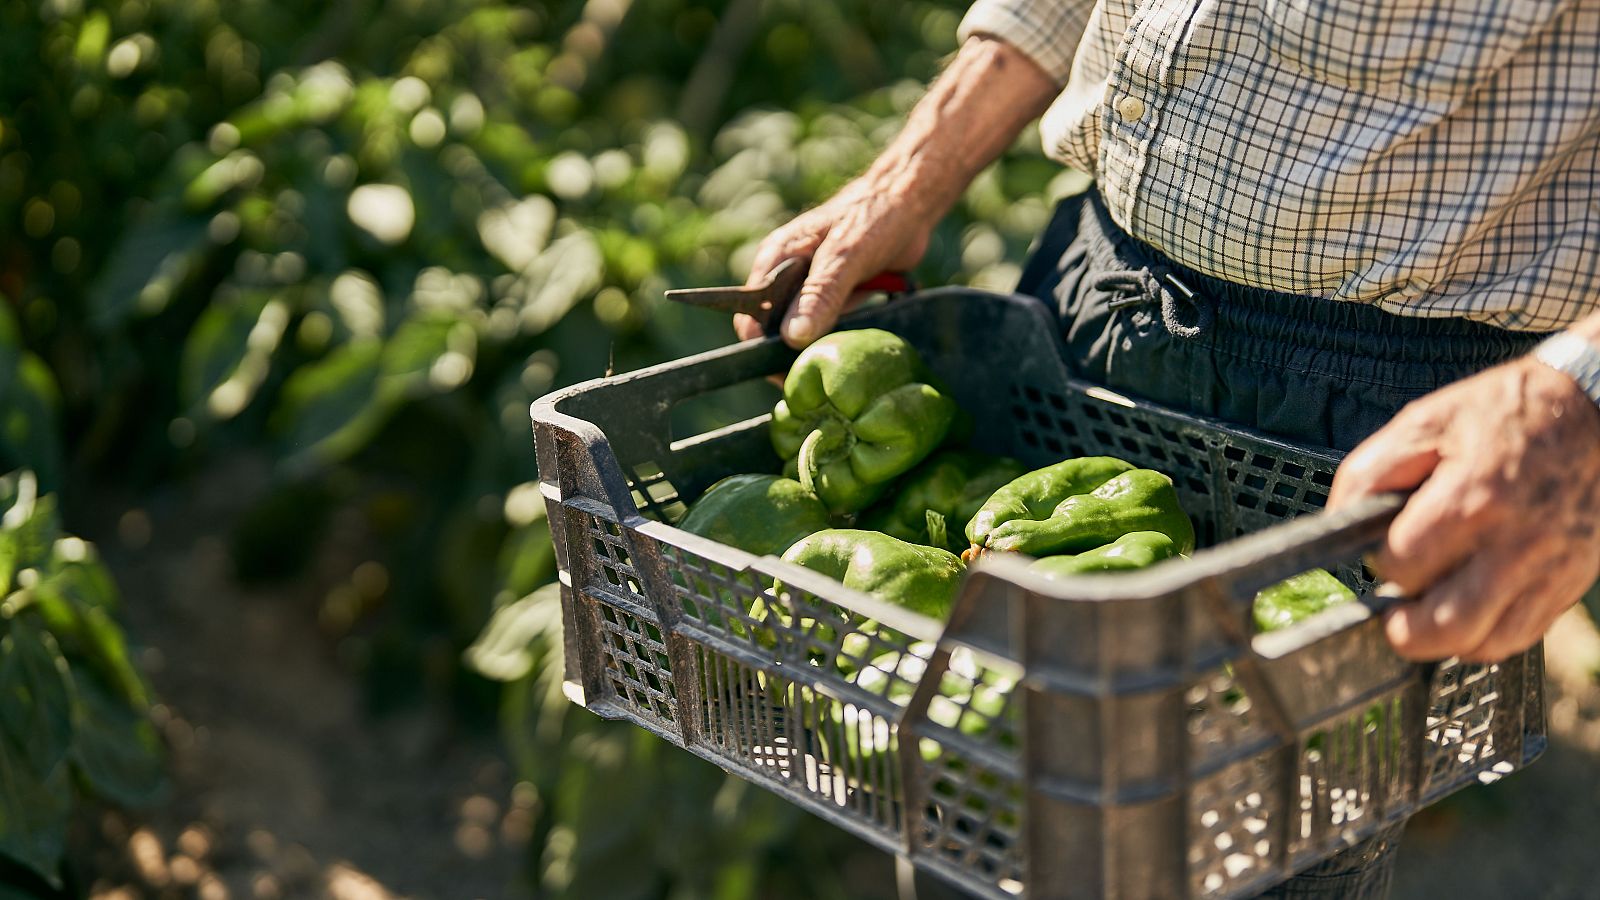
x=1574, y=357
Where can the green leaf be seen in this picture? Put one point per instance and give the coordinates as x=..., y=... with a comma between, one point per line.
x=115, y=749
x=75, y=602
x=567, y=271
x=29, y=435
x=527, y=558
x=229, y=353
x=93, y=37
x=428, y=352
x=505, y=649
x=35, y=705
x=146, y=269
x=29, y=522
x=332, y=407
x=33, y=815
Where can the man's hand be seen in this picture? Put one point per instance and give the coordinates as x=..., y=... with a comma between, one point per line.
x=883, y=219
x=1503, y=532
x=876, y=223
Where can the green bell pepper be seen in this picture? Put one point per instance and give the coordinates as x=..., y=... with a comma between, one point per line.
x=760, y=514
x=1298, y=598
x=952, y=484
x=857, y=412
x=1135, y=550
x=1077, y=505
x=921, y=579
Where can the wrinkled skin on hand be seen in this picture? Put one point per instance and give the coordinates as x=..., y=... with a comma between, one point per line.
x=882, y=220
x=1502, y=534
x=876, y=223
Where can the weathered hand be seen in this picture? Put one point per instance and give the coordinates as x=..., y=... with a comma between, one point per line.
x=882, y=220
x=1503, y=532
x=875, y=223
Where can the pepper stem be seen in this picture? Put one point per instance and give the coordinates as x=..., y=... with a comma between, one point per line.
x=806, y=460
x=938, y=532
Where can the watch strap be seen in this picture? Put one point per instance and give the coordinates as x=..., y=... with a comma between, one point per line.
x=1574, y=357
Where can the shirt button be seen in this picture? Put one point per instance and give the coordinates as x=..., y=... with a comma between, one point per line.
x=1130, y=108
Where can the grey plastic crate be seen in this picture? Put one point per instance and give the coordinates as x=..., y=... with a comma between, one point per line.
x=1130, y=738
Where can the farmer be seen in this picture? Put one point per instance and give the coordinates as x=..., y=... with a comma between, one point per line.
x=1345, y=223
x=1364, y=224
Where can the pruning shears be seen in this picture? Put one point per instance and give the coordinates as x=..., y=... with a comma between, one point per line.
x=768, y=301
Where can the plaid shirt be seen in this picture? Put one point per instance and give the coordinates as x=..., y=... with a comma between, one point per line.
x=1433, y=157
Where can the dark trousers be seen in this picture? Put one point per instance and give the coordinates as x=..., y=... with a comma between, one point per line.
x=1310, y=370
x=1320, y=372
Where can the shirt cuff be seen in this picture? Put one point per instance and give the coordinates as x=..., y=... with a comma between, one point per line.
x=1045, y=31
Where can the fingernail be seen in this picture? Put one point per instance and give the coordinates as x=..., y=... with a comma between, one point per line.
x=798, y=329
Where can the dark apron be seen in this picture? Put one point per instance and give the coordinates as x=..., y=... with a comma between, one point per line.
x=1314, y=371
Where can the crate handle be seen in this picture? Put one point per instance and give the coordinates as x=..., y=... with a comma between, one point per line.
x=1267, y=557
x=1361, y=526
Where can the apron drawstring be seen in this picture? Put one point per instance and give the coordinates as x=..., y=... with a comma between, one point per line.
x=1184, y=313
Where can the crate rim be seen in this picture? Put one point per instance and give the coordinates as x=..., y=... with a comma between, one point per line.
x=1251, y=552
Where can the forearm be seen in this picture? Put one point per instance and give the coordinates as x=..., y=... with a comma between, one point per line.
x=970, y=115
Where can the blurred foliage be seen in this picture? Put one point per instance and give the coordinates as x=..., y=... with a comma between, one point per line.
x=73, y=709
x=362, y=237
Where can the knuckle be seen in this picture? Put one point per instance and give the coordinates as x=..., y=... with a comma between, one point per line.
x=1452, y=626
x=1485, y=499
x=1447, y=624
x=1404, y=557
x=1401, y=630
x=813, y=301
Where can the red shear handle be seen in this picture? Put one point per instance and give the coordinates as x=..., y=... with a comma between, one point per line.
x=888, y=283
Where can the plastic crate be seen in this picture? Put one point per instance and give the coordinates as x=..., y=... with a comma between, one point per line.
x=1131, y=738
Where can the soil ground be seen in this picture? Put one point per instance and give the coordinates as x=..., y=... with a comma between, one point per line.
x=285, y=787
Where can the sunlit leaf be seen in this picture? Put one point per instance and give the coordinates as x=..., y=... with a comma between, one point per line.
x=567, y=271
x=74, y=604
x=29, y=523
x=229, y=352
x=515, y=233
x=430, y=352
x=506, y=649
x=93, y=37
x=238, y=170
x=331, y=408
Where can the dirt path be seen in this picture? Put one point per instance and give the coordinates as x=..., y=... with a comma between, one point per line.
x=283, y=786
